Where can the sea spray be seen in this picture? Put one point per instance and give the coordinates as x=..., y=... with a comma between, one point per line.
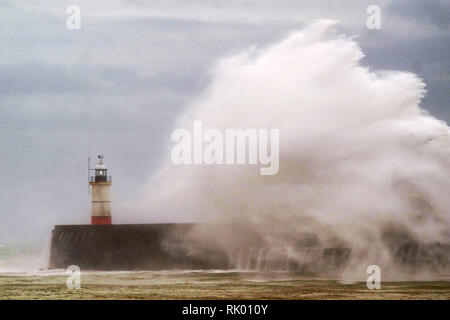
x=361, y=161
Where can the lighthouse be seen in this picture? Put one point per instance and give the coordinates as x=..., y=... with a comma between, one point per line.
x=100, y=199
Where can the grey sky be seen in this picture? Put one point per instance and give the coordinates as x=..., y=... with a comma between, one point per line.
x=115, y=86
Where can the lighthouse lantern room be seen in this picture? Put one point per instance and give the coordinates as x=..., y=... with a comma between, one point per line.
x=100, y=199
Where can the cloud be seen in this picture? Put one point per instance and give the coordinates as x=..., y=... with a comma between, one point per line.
x=435, y=12
x=40, y=78
x=35, y=77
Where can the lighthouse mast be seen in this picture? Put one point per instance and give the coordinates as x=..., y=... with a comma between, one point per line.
x=100, y=199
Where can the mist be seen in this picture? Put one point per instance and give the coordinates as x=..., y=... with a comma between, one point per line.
x=360, y=157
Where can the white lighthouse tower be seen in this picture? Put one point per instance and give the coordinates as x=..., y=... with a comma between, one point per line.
x=100, y=200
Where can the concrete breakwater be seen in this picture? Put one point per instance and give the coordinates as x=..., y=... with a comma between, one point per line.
x=127, y=247
x=202, y=246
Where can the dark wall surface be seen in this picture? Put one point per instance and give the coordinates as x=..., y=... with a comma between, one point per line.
x=128, y=247
x=204, y=246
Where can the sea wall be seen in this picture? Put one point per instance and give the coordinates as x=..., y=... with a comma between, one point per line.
x=127, y=247
x=203, y=246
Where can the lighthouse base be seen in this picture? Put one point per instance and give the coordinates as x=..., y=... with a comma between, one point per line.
x=101, y=220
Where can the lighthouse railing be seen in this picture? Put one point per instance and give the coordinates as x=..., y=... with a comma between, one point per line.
x=100, y=179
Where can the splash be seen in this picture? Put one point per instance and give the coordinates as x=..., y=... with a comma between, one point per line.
x=361, y=163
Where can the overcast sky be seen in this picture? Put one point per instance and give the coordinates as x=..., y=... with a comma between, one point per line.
x=116, y=85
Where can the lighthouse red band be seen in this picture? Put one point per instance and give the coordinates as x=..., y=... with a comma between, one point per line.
x=100, y=199
x=101, y=220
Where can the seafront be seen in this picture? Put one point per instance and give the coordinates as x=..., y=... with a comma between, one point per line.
x=208, y=285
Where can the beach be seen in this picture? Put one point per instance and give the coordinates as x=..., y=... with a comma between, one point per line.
x=218, y=284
